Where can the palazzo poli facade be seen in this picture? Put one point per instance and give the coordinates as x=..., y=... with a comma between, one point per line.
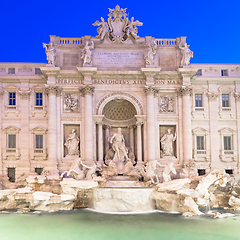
x=168, y=109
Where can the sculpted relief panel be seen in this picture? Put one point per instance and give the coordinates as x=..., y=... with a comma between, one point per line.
x=166, y=103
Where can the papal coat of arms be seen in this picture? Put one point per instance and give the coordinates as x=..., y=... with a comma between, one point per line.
x=118, y=27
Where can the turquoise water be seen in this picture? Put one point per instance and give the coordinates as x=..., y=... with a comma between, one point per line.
x=87, y=225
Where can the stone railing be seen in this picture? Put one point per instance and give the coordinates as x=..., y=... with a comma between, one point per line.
x=11, y=153
x=66, y=41
x=166, y=42
x=38, y=153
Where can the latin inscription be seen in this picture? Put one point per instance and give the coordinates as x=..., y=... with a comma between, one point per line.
x=118, y=58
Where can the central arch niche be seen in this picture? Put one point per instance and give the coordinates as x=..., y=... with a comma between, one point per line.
x=119, y=109
x=119, y=113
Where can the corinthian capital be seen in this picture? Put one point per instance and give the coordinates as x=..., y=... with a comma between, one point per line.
x=150, y=90
x=237, y=96
x=183, y=91
x=212, y=95
x=52, y=89
x=87, y=90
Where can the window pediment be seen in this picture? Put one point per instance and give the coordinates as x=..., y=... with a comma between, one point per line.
x=11, y=129
x=38, y=130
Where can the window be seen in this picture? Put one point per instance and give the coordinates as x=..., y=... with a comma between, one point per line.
x=229, y=171
x=199, y=72
x=39, y=141
x=227, y=145
x=200, y=142
x=11, y=174
x=201, y=172
x=11, y=71
x=12, y=98
x=225, y=100
x=198, y=100
x=11, y=141
x=39, y=99
x=39, y=170
x=224, y=72
x=38, y=71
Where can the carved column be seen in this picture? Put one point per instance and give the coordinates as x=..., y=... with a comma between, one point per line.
x=59, y=147
x=214, y=137
x=237, y=97
x=107, y=133
x=131, y=138
x=52, y=128
x=139, y=123
x=1, y=113
x=186, y=91
x=98, y=120
x=150, y=74
x=151, y=126
x=52, y=90
x=87, y=91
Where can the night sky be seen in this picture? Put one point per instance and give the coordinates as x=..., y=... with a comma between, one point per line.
x=212, y=27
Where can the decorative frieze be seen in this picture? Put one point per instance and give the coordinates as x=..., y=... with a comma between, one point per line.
x=24, y=94
x=25, y=69
x=212, y=95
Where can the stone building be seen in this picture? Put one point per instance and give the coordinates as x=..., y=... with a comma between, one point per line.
x=168, y=110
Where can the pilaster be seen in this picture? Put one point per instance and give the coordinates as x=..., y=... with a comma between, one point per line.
x=237, y=99
x=213, y=123
x=24, y=134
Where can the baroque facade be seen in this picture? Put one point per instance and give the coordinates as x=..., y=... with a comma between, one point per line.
x=168, y=109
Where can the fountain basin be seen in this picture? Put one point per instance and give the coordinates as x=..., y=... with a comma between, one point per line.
x=123, y=199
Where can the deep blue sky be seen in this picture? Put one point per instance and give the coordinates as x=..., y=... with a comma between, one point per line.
x=212, y=27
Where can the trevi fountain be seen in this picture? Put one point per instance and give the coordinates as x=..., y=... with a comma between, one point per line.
x=117, y=180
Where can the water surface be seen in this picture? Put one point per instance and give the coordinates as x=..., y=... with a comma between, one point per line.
x=87, y=225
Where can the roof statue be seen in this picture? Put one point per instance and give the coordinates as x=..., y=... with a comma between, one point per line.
x=118, y=27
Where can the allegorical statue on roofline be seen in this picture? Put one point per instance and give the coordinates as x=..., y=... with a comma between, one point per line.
x=118, y=27
x=51, y=54
x=187, y=54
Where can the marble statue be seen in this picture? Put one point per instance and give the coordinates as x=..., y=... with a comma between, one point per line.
x=151, y=170
x=70, y=104
x=102, y=29
x=81, y=171
x=132, y=29
x=86, y=53
x=167, y=171
x=187, y=54
x=151, y=50
x=167, y=143
x=50, y=52
x=118, y=145
x=118, y=27
x=72, y=143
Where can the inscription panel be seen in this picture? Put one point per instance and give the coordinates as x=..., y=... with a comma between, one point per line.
x=118, y=59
